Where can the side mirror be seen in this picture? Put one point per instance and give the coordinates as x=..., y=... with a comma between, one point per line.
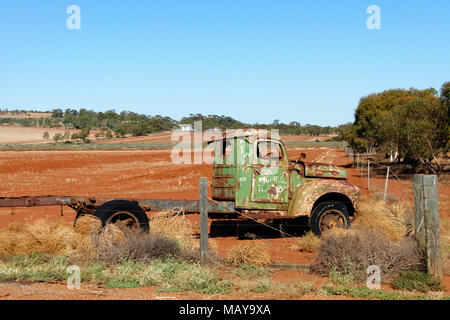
x=302, y=157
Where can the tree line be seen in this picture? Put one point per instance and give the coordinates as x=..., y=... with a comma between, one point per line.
x=413, y=124
x=225, y=122
x=125, y=123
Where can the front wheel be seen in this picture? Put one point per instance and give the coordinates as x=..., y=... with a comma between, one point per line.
x=328, y=215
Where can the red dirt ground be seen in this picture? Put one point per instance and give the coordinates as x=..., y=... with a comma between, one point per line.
x=150, y=174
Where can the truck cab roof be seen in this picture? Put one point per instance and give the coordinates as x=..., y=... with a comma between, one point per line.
x=251, y=134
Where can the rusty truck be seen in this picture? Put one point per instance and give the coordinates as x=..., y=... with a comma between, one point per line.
x=253, y=178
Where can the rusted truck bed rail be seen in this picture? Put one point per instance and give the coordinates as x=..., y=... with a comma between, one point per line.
x=189, y=206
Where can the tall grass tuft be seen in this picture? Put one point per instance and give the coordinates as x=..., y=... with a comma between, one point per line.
x=250, y=252
x=393, y=218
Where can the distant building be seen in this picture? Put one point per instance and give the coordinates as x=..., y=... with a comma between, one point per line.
x=185, y=127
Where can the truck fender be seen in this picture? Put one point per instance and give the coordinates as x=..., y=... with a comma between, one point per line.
x=309, y=194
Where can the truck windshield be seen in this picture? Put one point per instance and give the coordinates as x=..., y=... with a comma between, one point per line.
x=224, y=150
x=269, y=151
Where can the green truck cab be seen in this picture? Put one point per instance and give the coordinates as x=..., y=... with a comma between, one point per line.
x=252, y=169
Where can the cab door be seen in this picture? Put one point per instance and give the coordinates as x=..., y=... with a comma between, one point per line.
x=270, y=177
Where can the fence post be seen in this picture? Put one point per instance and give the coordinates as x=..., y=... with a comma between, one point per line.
x=203, y=208
x=386, y=184
x=368, y=174
x=360, y=167
x=426, y=221
x=357, y=162
x=419, y=220
x=432, y=229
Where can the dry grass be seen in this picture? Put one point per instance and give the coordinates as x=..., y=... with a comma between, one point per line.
x=393, y=218
x=445, y=242
x=171, y=234
x=44, y=237
x=308, y=243
x=59, y=238
x=87, y=225
x=173, y=225
x=250, y=252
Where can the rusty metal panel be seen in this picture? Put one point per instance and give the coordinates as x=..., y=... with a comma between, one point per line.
x=312, y=189
x=33, y=201
x=322, y=170
x=272, y=188
x=224, y=182
x=190, y=206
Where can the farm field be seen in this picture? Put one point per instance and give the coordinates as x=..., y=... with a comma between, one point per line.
x=15, y=135
x=27, y=135
x=28, y=115
x=151, y=174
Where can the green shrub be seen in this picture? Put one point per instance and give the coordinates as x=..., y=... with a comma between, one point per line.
x=261, y=286
x=417, y=280
x=122, y=285
x=250, y=271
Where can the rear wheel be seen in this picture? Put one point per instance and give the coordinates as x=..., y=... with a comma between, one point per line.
x=328, y=215
x=122, y=211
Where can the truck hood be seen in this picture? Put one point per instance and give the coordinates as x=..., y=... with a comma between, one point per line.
x=323, y=170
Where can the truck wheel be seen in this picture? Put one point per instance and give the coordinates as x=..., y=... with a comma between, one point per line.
x=121, y=210
x=328, y=215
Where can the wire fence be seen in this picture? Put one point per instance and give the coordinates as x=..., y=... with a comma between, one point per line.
x=369, y=168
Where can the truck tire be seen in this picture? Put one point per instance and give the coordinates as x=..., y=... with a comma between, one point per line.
x=328, y=215
x=121, y=210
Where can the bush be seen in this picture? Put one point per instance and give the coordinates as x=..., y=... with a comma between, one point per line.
x=261, y=286
x=87, y=241
x=350, y=252
x=249, y=252
x=308, y=243
x=250, y=271
x=135, y=245
x=122, y=285
x=393, y=218
x=173, y=225
x=54, y=238
x=416, y=280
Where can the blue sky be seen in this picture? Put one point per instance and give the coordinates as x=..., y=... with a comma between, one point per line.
x=306, y=61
